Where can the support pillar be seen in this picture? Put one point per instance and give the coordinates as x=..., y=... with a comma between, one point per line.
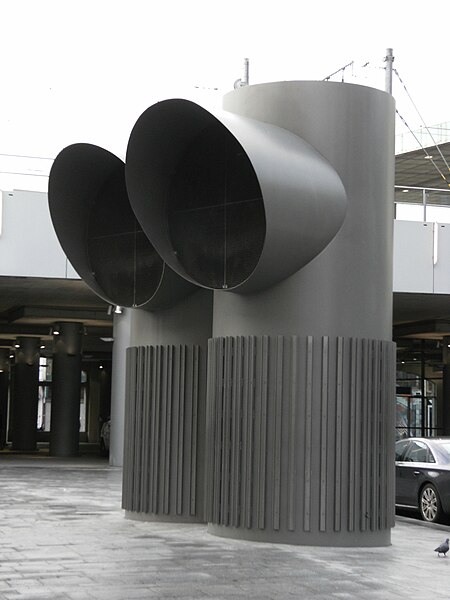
x=66, y=389
x=165, y=412
x=446, y=384
x=4, y=392
x=122, y=335
x=25, y=394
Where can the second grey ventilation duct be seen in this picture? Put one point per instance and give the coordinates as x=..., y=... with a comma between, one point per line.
x=100, y=234
x=228, y=201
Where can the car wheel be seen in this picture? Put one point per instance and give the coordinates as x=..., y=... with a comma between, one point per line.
x=430, y=504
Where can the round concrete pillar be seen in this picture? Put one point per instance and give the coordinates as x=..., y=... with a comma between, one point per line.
x=446, y=383
x=66, y=388
x=4, y=388
x=25, y=394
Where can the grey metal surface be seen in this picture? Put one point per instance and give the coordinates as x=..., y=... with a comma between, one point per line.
x=98, y=231
x=287, y=466
x=341, y=137
x=164, y=459
x=303, y=201
x=64, y=538
x=347, y=289
x=322, y=139
x=121, y=331
x=188, y=323
x=344, y=293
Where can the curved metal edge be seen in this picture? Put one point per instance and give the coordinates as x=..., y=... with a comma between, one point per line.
x=304, y=198
x=156, y=145
x=77, y=175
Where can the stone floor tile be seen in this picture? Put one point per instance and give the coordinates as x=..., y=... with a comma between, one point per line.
x=64, y=537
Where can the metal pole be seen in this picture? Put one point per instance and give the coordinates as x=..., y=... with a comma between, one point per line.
x=424, y=203
x=389, y=59
x=246, y=80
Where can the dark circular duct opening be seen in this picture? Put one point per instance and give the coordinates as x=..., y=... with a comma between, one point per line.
x=216, y=216
x=123, y=262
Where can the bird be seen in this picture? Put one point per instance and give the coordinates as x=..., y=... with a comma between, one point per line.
x=442, y=548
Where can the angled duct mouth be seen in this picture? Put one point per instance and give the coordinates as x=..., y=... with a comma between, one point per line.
x=202, y=191
x=230, y=202
x=100, y=234
x=215, y=212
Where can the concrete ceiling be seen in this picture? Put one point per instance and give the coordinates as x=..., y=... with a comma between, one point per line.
x=409, y=308
x=428, y=315
x=423, y=168
x=30, y=306
x=422, y=321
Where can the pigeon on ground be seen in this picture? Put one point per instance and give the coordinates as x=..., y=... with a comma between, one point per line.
x=442, y=548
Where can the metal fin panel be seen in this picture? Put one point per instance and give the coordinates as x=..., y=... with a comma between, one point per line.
x=163, y=407
x=305, y=449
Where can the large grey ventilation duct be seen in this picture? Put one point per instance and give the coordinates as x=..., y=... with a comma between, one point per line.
x=230, y=202
x=287, y=193
x=100, y=235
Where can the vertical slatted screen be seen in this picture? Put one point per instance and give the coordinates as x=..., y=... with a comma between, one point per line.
x=300, y=433
x=162, y=471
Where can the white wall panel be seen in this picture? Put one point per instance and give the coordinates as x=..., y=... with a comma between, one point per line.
x=413, y=257
x=28, y=243
x=442, y=266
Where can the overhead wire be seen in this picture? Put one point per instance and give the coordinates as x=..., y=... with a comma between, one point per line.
x=427, y=155
x=426, y=127
x=350, y=64
x=353, y=65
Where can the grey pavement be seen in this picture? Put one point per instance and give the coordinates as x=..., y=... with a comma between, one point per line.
x=63, y=535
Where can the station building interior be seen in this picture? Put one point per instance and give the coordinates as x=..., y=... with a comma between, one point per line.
x=32, y=307
x=422, y=320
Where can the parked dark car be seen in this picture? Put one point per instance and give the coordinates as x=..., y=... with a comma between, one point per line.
x=422, y=476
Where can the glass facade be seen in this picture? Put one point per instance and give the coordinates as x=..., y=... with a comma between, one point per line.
x=416, y=406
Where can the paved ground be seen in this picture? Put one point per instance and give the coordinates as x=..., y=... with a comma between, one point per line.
x=64, y=536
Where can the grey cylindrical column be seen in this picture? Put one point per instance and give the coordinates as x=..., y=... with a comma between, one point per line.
x=25, y=394
x=299, y=439
x=66, y=387
x=446, y=384
x=331, y=481
x=122, y=333
x=286, y=199
x=4, y=387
